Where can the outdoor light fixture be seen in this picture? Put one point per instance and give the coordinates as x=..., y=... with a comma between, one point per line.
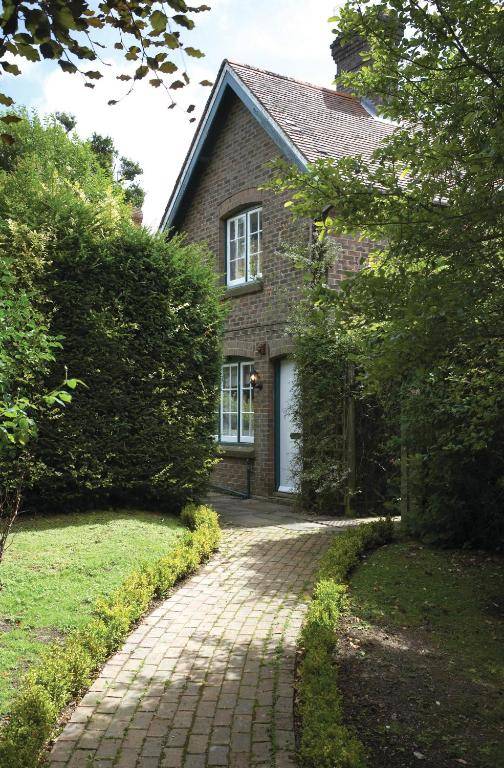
x=255, y=380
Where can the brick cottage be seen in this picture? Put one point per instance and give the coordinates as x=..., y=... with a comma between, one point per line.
x=252, y=118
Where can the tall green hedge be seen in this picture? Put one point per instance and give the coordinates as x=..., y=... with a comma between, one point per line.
x=140, y=323
x=139, y=319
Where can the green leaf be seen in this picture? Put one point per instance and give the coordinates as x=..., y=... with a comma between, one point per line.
x=67, y=66
x=158, y=21
x=168, y=67
x=194, y=52
x=171, y=41
x=28, y=52
x=12, y=69
x=178, y=5
x=93, y=74
x=51, y=50
x=141, y=72
x=6, y=100
x=176, y=85
x=206, y=83
x=183, y=21
x=133, y=52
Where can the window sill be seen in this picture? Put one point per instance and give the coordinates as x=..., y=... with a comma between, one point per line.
x=236, y=450
x=241, y=290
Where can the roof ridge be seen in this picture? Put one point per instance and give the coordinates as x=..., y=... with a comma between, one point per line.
x=332, y=91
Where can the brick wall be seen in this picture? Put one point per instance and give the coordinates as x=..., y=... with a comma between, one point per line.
x=256, y=323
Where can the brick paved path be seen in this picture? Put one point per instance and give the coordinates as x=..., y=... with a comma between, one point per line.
x=207, y=678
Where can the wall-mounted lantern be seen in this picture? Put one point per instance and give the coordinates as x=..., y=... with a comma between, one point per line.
x=255, y=380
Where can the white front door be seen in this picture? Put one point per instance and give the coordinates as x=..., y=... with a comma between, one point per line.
x=287, y=428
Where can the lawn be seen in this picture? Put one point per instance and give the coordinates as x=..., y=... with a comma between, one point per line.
x=422, y=657
x=55, y=568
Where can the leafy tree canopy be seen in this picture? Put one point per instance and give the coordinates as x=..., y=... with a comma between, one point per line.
x=425, y=314
x=77, y=34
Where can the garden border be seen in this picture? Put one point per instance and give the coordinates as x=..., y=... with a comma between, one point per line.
x=325, y=741
x=67, y=669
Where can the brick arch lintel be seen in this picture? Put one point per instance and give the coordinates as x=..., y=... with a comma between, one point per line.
x=240, y=200
x=236, y=348
x=281, y=347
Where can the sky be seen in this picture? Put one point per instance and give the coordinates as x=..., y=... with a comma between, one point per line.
x=290, y=37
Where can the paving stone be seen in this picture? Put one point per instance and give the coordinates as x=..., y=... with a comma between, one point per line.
x=218, y=756
x=194, y=684
x=195, y=761
x=197, y=744
x=172, y=758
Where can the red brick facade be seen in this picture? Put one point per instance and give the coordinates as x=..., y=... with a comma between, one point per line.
x=233, y=172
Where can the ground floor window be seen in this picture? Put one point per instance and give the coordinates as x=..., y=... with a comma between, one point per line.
x=236, y=411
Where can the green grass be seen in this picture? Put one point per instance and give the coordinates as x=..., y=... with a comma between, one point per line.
x=55, y=568
x=456, y=595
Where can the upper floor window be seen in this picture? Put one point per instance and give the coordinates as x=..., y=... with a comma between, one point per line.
x=244, y=247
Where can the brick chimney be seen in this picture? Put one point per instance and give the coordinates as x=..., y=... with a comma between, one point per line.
x=347, y=55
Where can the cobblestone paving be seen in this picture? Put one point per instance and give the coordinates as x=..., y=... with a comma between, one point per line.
x=207, y=678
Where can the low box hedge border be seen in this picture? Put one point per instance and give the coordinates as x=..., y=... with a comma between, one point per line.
x=325, y=741
x=67, y=669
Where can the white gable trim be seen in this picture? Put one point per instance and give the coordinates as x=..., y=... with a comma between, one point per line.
x=227, y=79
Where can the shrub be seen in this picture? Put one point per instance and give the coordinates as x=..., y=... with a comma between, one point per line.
x=138, y=317
x=325, y=741
x=342, y=454
x=67, y=669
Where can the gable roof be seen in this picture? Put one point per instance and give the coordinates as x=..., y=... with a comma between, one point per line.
x=307, y=122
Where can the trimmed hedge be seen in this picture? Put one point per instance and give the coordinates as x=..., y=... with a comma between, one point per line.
x=67, y=669
x=325, y=741
x=137, y=318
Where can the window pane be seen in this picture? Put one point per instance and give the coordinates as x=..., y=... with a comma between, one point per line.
x=246, y=371
x=241, y=226
x=254, y=221
x=254, y=243
x=225, y=424
x=225, y=376
x=226, y=402
x=234, y=376
x=232, y=229
x=247, y=404
x=232, y=250
x=232, y=270
x=246, y=400
x=255, y=264
x=239, y=269
x=234, y=424
x=248, y=427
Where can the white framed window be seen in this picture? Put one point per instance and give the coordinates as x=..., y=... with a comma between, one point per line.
x=236, y=418
x=244, y=247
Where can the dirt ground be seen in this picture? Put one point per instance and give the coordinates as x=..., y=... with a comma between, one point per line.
x=410, y=707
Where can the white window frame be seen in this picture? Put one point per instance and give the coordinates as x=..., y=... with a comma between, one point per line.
x=241, y=385
x=245, y=217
